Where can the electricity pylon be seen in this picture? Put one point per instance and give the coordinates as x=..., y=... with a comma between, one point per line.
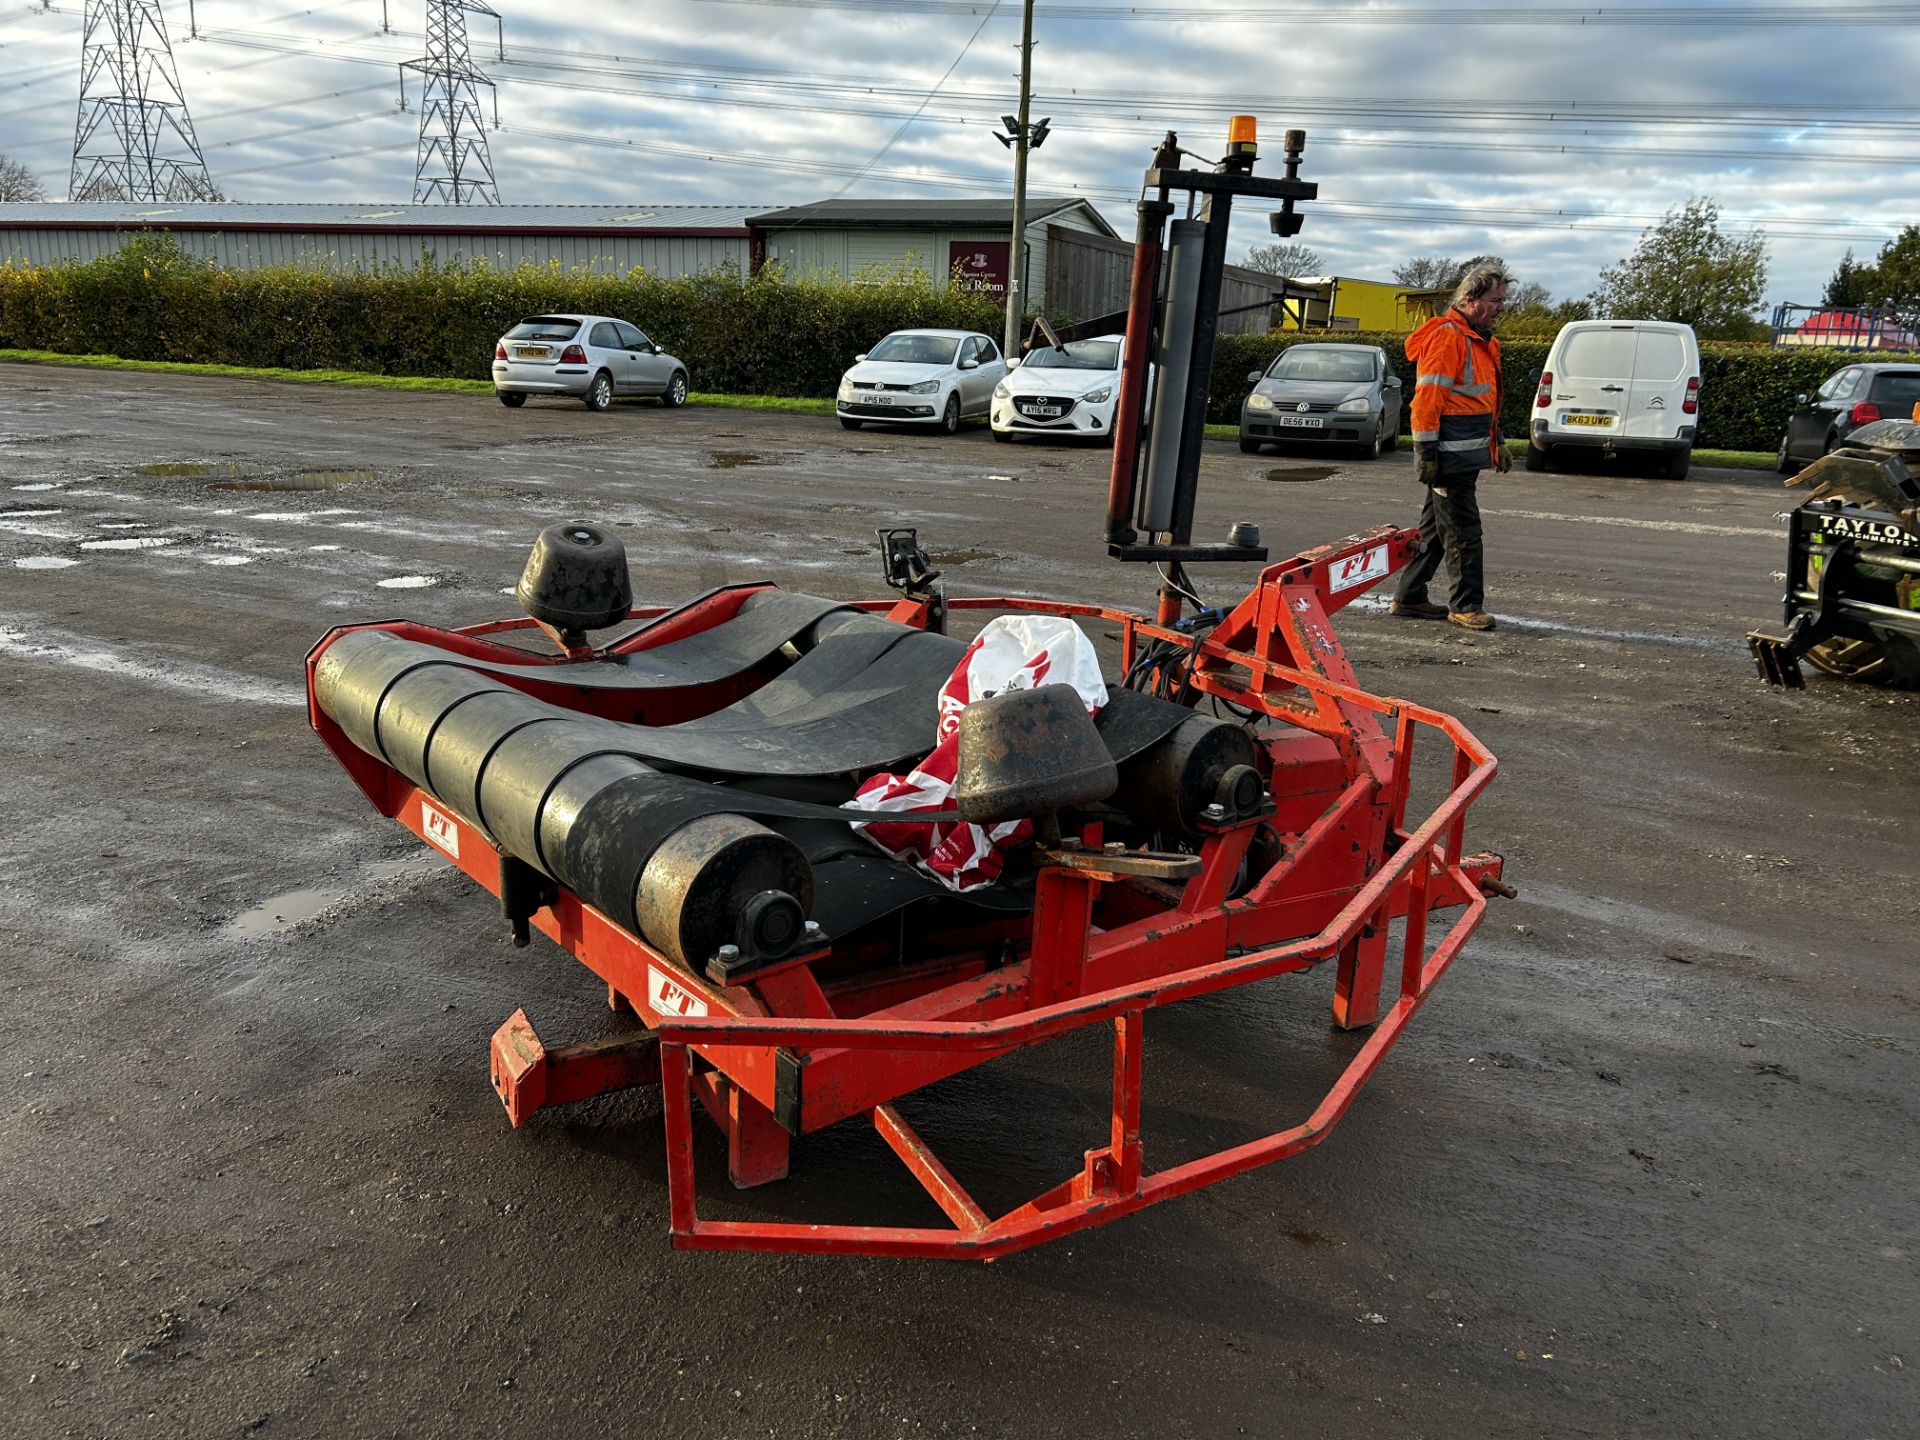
x=453, y=165
x=133, y=139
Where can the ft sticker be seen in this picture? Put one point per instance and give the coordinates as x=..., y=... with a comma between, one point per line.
x=440, y=829
x=669, y=997
x=1352, y=570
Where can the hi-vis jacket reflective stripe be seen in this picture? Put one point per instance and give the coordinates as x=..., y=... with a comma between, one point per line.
x=1456, y=397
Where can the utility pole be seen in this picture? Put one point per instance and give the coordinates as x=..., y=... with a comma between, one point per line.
x=1016, y=254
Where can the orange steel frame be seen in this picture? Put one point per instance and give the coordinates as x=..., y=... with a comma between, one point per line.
x=790, y=1052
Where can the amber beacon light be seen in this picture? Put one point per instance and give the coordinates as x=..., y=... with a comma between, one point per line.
x=1242, y=136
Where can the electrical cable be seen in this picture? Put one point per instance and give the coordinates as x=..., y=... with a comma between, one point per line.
x=1583, y=16
x=991, y=11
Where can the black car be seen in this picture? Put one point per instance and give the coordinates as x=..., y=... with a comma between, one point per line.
x=1850, y=398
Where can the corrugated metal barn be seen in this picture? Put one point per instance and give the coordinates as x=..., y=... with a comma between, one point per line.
x=667, y=240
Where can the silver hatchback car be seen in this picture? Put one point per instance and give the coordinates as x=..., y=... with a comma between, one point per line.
x=593, y=358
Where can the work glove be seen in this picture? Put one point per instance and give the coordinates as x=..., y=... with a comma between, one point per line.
x=1502, y=461
x=1426, y=460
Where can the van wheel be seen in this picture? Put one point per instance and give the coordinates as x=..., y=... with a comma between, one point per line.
x=1536, y=458
x=1676, y=466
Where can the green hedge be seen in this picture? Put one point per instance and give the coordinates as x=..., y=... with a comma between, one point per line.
x=1746, y=391
x=764, y=336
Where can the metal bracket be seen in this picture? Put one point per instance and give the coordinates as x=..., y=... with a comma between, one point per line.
x=1115, y=860
x=524, y=891
x=1778, y=656
x=528, y=1077
x=734, y=966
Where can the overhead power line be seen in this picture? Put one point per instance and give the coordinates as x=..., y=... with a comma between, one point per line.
x=925, y=100
x=1386, y=212
x=1161, y=106
x=1584, y=16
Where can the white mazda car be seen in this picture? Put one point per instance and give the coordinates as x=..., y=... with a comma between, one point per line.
x=1064, y=390
x=921, y=377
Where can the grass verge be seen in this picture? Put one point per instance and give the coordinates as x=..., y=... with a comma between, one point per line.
x=783, y=403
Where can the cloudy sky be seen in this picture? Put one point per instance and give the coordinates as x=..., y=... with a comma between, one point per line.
x=1547, y=133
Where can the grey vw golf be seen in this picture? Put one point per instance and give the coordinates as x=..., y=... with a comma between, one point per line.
x=1342, y=395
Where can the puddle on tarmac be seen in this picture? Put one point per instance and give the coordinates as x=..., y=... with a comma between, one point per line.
x=135, y=542
x=1302, y=472
x=40, y=485
x=306, y=480
x=194, y=469
x=283, y=912
x=734, y=459
x=408, y=582
x=229, y=559
x=961, y=557
x=43, y=562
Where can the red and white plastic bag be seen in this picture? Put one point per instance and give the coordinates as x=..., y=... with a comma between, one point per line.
x=1014, y=652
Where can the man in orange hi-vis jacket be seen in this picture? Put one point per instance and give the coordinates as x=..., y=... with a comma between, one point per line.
x=1456, y=434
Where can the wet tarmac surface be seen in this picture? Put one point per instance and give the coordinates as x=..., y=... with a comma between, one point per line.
x=1643, y=1166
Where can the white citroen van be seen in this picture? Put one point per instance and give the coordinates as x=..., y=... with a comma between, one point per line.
x=1618, y=387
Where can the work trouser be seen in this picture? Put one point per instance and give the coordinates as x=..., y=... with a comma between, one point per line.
x=1450, y=529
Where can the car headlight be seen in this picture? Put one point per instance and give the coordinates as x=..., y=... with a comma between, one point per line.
x=846, y=387
x=1100, y=396
x=925, y=387
x=1359, y=405
x=1000, y=391
x=1257, y=401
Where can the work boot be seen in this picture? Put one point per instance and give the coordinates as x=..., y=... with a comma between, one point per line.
x=1417, y=610
x=1471, y=619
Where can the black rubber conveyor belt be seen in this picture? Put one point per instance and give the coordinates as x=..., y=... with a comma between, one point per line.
x=587, y=800
x=767, y=620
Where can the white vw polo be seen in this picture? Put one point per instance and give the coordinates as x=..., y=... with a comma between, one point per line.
x=921, y=377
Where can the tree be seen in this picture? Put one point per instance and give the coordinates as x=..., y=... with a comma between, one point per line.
x=1542, y=321
x=1428, y=272
x=1851, y=283
x=1289, y=261
x=1685, y=269
x=1529, y=295
x=17, y=182
x=1895, y=277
